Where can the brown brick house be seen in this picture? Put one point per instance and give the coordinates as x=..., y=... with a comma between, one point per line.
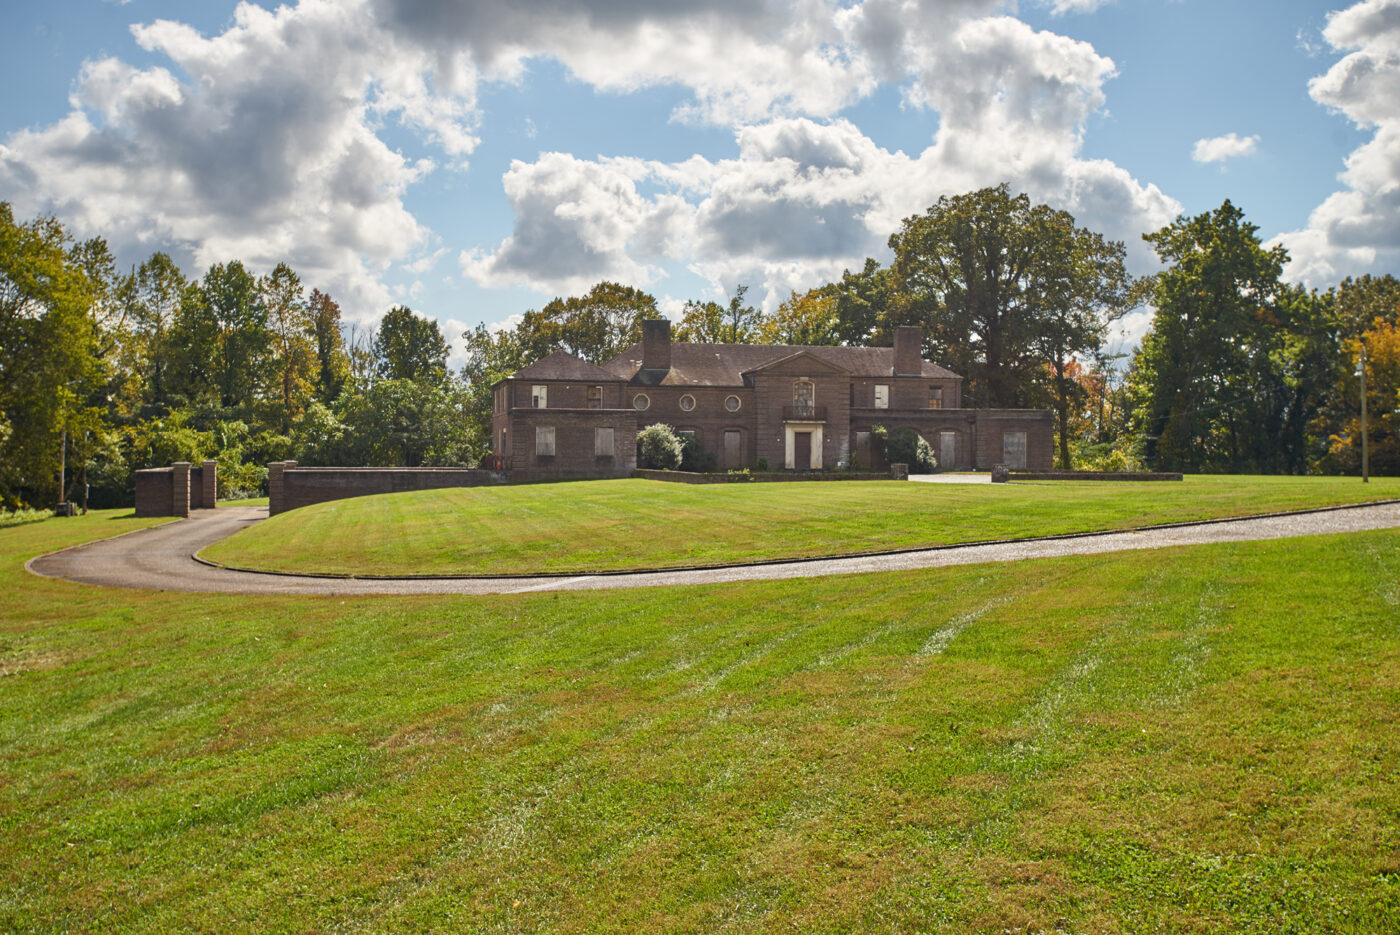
x=799, y=408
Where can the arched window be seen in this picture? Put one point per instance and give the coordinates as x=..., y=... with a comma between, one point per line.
x=803, y=397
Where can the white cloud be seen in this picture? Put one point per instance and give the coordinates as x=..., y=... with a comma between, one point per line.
x=1357, y=230
x=1061, y=7
x=1220, y=148
x=802, y=201
x=267, y=146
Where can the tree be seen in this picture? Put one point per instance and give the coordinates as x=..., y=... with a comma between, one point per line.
x=808, y=319
x=1222, y=382
x=863, y=304
x=156, y=291
x=1080, y=285
x=407, y=423
x=1001, y=287
x=332, y=361
x=410, y=348
x=293, y=364
x=712, y=323
x=491, y=357
x=47, y=353
x=594, y=326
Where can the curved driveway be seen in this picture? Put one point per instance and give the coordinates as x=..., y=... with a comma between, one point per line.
x=162, y=557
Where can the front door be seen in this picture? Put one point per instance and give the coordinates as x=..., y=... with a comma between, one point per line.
x=732, y=451
x=801, y=451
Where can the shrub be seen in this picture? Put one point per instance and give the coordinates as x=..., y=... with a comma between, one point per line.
x=658, y=447
x=694, y=457
x=761, y=465
x=909, y=447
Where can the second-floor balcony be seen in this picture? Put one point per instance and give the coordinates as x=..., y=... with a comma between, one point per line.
x=804, y=413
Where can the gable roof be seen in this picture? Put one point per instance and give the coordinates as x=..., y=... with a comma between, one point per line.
x=726, y=364
x=563, y=366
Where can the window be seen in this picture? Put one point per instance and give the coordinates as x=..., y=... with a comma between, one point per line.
x=687, y=402
x=882, y=396
x=803, y=394
x=603, y=442
x=935, y=397
x=544, y=441
x=641, y=401
x=689, y=432
x=595, y=397
x=732, y=403
x=947, y=449
x=1013, y=450
x=539, y=397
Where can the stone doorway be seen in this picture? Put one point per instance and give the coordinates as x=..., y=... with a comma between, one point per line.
x=801, y=451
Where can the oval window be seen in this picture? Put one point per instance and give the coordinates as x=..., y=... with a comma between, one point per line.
x=732, y=404
x=687, y=402
x=640, y=401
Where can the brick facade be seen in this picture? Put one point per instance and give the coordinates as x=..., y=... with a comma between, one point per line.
x=791, y=408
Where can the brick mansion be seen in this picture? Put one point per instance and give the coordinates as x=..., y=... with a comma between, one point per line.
x=793, y=408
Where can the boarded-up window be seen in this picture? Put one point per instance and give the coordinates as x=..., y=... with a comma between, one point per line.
x=1013, y=450
x=603, y=442
x=544, y=441
x=595, y=397
x=539, y=397
x=935, y=397
x=947, y=449
x=733, y=450
x=882, y=396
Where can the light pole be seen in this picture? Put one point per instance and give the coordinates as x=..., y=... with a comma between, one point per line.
x=1365, y=445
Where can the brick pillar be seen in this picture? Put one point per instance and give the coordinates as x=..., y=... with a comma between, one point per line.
x=180, y=488
x=211, y=487
x=276, y=486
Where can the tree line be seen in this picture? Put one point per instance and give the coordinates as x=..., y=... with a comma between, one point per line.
x=108, y=371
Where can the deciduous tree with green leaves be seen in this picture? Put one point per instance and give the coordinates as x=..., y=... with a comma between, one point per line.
x=407, y=347
x=1226, y=381
x=1001, y=287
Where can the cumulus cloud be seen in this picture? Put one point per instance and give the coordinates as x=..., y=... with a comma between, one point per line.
x=263, y=142
x=1358, y=230
x=802, y=201
x=1221, y=148
x=264, y=152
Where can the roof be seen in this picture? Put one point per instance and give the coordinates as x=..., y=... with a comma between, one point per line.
x=726, y=364
x=563, y=366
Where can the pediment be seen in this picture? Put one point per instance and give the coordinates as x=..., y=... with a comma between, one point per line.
x=802, y=363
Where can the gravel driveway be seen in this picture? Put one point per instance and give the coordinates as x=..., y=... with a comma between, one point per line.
x=161, y=558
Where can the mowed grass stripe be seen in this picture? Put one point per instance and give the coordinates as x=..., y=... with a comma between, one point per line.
x=621, y=524
x=570, y=763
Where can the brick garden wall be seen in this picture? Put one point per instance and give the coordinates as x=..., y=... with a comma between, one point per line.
x=290, y=486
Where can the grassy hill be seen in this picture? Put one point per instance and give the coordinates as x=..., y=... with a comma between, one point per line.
x=615, y=524
x=1193, y=739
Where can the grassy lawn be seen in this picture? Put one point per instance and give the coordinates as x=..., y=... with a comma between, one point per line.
x=1202, y=739
x=597, y=525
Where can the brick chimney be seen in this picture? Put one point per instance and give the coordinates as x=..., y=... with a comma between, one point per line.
x=908, y=350
x=656, y=344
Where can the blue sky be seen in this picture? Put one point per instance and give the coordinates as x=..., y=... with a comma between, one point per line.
x=474, y=160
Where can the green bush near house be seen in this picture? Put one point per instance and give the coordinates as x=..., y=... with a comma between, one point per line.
x=659, y=447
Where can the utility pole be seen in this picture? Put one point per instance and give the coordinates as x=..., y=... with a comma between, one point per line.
x=1365, y=445
x=62, y=466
